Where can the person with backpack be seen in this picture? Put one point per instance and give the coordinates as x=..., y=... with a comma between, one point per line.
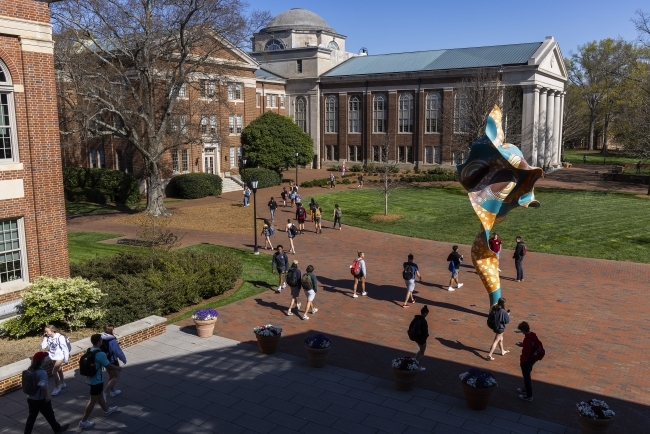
x=318, y=215
x=497, y=320
x=280, y=262
x=247, y=195
x=58, y=346
x=520, y=252
x=409, y=273
x=360, y=179
x=111, y=347
x=332, y=181
x=267, y=231
x=418, y=332
x=312, y=207
x=292, y=194
x=454, y=259
x=337, y=216
x=532, y=351
x=273, y=205
x=90, y=366
x=284, y=195
x=294, y=281
x=39, y=400
x=309, y=284
x=292, y=231
x=495, y=246
x=301, y=215
x=358, y=270
x=298, y=198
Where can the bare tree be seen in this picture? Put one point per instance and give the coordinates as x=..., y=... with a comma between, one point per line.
x=122, y=64
x=386, y=168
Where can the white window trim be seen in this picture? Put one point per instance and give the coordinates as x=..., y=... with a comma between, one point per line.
x=358, y=117
x=427, y=110
x=183, y=89
x=17, y=285
x=384, y=110
x=234, y=85
x=335, y=111
x=411, y=112
x=9, y=89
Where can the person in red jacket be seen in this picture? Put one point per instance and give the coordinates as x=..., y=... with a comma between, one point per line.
x=495, y=246
x=527, y=359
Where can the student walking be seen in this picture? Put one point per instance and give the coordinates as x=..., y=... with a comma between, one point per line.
x=358, y=270
x=273, y=205
x=318, y=215
x=495, y=246
x=301, y=215
x=532, y=351
x=267, y=231
x=292, y=231
x=294, y=277
x=454, y=259
x=520, y=252
x=360, y=179
x=280, y=262
x=284, y=195
x=247, y=195
x=309, y=284
x=418, y=332
x=343, y=170
x=332, y=181
x=292, y=196
x=312, y=207
x=337, y=216
x=59, y=353
x=497, y=320
x=410, y=272
x=298, y=198
x=39, y=399
x=114, y=355
x=95, y=359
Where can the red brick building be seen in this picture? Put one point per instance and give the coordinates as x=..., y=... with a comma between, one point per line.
x=33, y=239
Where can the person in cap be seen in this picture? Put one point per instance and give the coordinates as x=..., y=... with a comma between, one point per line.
x=41, y=400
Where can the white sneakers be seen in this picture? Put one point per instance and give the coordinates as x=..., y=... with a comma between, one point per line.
x=305, y=317
x=364, y=293
x=355, y=296
x=110, y=411
x=459, y=285
x=451, y=288
x=86, y=424
x=313, y=311
x=298, y=306
x=113, y=394
x=57, y=390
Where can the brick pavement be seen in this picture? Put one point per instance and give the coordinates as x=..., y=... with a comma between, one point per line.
x=178, y=383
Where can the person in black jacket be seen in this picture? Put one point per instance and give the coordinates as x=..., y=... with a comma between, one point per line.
x=520, y=252
x=280, y=261
x=501, y=318
x=422, y=335
x=273, y=205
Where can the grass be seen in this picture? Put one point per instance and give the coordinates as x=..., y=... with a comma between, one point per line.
x=612, y=158
x=596, y=224
x=88, y=208
x=86, y=245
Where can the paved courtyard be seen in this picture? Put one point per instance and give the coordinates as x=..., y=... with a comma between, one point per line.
x=178, y=383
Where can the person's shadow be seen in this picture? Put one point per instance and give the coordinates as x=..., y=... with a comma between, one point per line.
x=272, y=305
x=458, y=345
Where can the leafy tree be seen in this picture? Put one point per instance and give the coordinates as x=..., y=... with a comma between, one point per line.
x=272, y=140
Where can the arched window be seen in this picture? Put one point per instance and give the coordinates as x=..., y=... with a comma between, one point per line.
x=8, y=138
x=461, y=112
x=331, y=114
x=273, y=45
x=432, y=114
x=354, y=115
x=333, y=45
x=379, y=114
x=405, y=115
x=301, y=113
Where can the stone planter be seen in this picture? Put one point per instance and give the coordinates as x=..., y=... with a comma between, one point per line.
x=317, y=357
x=404, y=380
x=205, y=329
x=477, y=399
x=594, y=426
x=268, y=344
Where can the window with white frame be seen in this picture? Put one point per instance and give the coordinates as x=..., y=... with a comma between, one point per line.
x=378, y=154
x=174, y=160
x=405, y=154
x=208, y=88
x=432, y=113
x=273, y=45
x=204, y=124
x=185, y=160
x=182, y=91
x=428, y=154
x=333, y=45
x=213, y=125
x=437, y=154
x=235, y=124
x=405, y=113
x=331, y=114
x=271, y=100
x=234, y=91
x=97, y=160
x=354, y=115
x=182, y=121
x=13, y=264
x=461, y=112
x=379, y=114
x=354, y=153
x=258, y=98
x=209, y=125
x=8, y=137
x=281, y=101
x=301, y=113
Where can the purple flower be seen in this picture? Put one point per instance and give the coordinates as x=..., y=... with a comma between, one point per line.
x=478, y=378
x=205, y=314
x=319, y=341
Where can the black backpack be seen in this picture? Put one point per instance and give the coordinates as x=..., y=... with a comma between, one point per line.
x=30, y=385
x=87, y=366
x=407, y=274
x=414, y=329
x=492, y=319
x=292, y=277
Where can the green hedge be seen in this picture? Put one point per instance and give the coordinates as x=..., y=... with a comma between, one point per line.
x=323, y=182
x=100, y=185
x=194, y=185
x=432, y=175
x=265, y=177
x=141, y=285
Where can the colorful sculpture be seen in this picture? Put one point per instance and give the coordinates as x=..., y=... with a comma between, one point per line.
x=497, y=179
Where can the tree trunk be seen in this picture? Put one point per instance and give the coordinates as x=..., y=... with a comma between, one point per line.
x=605, y=128
x=592, y=127
x=386, y=202
x=155, y=193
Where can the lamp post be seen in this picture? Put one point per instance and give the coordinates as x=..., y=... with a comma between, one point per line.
x=254, y=187
x=296, y=169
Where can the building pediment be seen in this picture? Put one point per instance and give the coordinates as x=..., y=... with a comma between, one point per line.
x=548, y=58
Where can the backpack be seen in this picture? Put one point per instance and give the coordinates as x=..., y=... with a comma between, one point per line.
x=538, y=352
x=87, y=366
x=317, y=213
x=292, y=277
x=301, y=212
x=30, y=385
x=337, y=212
x=452, y=266
x=408, y=274
x=306, y=282
x=492, y=320
x=271, y=230
x=524, y=251
x=414, y=329
x=293, y=230
x=355, y=268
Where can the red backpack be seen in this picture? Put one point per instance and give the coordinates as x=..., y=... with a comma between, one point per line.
x=355, y=268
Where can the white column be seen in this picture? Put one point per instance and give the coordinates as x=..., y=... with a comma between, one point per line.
x=550, y=113
x=530, y=113
x=555, y=157
x=561, y=130
x=541, y=128
x=533, y=155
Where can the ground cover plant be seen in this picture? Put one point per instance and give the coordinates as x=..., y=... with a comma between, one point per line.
x=594, y=224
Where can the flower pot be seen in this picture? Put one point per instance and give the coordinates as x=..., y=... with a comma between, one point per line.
x=404, y=380
x=594, y=426
x=268, y=344
x=205, y=329
x=476, y=398
x=317, y=357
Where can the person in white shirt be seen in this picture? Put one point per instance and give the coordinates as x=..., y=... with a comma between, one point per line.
x=57, y=346
x=360, y=276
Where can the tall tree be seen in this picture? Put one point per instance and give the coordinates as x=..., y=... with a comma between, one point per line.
x=122, y=64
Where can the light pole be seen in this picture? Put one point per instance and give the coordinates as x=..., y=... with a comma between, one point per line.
x=296, y=169
x=254, y=187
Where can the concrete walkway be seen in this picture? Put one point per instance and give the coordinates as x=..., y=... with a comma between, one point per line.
x=178, y=383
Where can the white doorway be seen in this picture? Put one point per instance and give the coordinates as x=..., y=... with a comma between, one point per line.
x=211, y=160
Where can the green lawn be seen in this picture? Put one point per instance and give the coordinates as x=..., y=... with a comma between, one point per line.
x=569, y=222
x=86, y=245
x=108, y=208
x=595, y=157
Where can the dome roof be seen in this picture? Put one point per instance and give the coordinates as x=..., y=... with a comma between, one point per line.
x=298, y=19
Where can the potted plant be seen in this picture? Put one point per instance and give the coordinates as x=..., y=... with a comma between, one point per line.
x=204, y=320
x=478, y=386
x=268, y=337
x=405, y=370
x=595, y=416
x=318, y=347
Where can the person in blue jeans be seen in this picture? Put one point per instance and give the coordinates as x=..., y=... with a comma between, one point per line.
x=247, y=195
x=41, y=400
x=520, y=252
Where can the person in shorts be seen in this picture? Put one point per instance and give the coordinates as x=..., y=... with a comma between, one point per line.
x=280, y=262
x=115, y=355
x=310, y=286
x=318, y=215
x=332, y=181
x=412, y=269
x=312, y=207
x=96, y=383
x=301, y=215
x=361, y=276
x=295, y=289
x=266, y=233
x=290, y=235
x=57, y=346
x=41, y=401
x=454, y=260
x=360, y=179
x=284, y=195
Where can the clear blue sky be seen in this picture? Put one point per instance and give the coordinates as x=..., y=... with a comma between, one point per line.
x=415, y=25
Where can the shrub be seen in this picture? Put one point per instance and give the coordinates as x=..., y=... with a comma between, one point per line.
x=141, y=285
x=94, y=195
x=115, y=186
x=346, y=181
x=194, y=185
x=356, y=168
x=334, y=168
x=432, y=175
x=71, y=303
x=265, y=177
x=324, y=182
